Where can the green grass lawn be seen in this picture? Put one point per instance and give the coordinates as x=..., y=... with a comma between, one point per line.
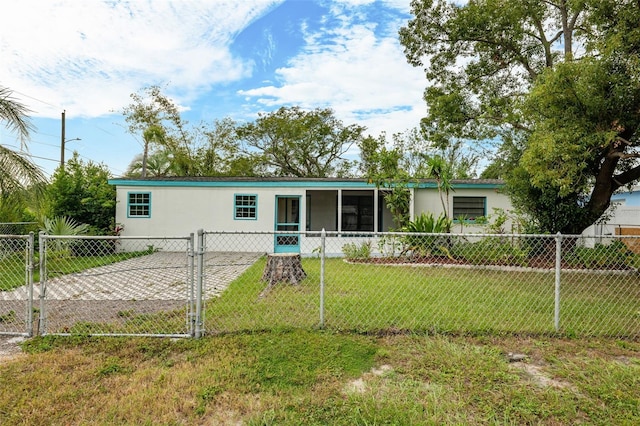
x=319, y=377
x=403, y=345
x=377, y=298
x=369, y=298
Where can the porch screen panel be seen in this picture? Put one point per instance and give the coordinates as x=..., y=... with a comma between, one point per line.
x=357, y=212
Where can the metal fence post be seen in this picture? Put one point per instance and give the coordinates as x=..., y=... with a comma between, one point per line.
x=30, y=268
x=323, y=237
x=199, y=284
x=556, y=315
x=42, y=248
x=191, y=278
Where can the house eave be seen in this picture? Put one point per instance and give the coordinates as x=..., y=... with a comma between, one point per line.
x=292, y=183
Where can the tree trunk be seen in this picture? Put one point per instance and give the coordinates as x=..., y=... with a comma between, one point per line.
x=607, y=182
x=282, y=267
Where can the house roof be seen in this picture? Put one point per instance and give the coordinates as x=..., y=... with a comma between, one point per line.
x=194, y=181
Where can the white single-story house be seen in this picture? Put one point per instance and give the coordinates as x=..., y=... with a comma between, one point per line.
x=178, y=206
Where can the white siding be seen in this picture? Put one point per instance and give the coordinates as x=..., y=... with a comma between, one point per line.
x=179, y=211
x=428, y=200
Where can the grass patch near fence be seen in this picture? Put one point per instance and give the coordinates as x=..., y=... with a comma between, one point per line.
x=383, y=299
x=12, y=271
x=379, y=298
x=245, y=305
x=319, y=377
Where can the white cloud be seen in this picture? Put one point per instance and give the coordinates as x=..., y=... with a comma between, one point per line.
x=363, y=77
x=89, y=56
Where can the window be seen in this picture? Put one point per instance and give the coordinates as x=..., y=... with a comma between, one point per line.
x=469, y=208
x=245, y=206
x=139, y=204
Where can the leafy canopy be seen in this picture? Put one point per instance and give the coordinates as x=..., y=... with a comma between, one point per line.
x=556, y=81
x=81, y=192
x=293, y=142
x=174, y=147
x=285, y=142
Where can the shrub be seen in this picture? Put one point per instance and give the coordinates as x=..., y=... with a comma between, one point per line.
x=493, y=250
x=62, y=225
x=602, y=256
x=425, y=245
x=355, y=251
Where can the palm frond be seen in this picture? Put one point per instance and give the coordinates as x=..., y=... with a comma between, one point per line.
x=15, y=115
x=17, y=172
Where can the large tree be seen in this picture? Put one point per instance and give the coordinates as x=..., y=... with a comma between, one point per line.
x=155, y=118
x=19, y=177
x=206, y=149
x=556, y=80
x=298, y=143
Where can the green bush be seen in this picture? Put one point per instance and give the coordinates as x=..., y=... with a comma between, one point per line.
x=602, y=256
x=425, y=245
x=355, y=251
x=62, y=225
x=495, y=250
x=81, y=191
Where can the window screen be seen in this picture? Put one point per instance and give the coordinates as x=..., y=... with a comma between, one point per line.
x=469, y=208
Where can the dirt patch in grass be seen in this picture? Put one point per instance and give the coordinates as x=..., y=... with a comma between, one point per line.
x=537, y=375
x=10, y=347
x=359, y=385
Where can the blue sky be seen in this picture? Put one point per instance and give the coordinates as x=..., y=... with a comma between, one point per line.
x=215, y=59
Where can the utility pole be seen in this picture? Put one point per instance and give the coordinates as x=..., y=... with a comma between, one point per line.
x=62, y=141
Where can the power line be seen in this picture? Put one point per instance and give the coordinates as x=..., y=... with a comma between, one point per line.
x=35, y=99
x=43, y=158
x=17, y=149
x=48, y=134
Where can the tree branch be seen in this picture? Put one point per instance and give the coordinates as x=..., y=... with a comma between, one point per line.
x=622, y=155
x=627, y=177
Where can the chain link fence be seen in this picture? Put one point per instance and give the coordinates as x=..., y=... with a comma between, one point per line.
x=116, y=286
x=18, y=228
x=16, y=284
x=244, y=302
x=370, y=283
x=454, y=283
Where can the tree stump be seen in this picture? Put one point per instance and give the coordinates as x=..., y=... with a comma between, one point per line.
x=282, y=267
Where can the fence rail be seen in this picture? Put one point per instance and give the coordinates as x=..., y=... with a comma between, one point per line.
x=374, y=283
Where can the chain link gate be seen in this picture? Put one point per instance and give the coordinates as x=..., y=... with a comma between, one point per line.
x=225, y=259
x=16, y=284
x=134, y=286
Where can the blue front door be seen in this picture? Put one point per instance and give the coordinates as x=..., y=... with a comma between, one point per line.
x=287, y=239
